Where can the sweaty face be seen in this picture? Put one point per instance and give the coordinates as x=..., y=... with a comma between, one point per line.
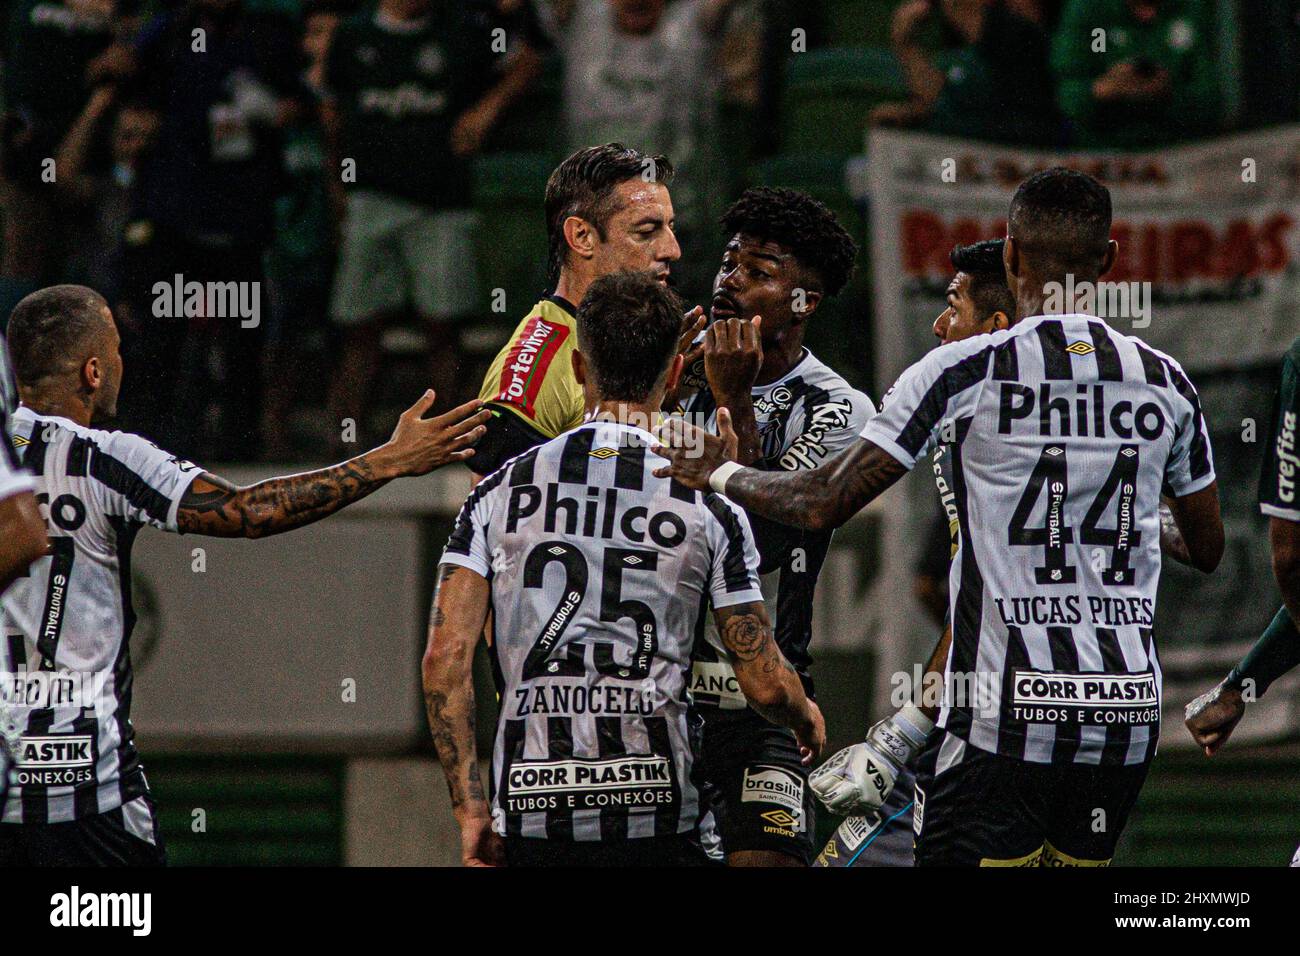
x=961, y=319
x=639, y=236
x=758, y=278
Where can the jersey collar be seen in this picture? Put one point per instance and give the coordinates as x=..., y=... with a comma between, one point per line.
x=563, y=303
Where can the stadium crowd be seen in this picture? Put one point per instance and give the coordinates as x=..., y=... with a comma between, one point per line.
x=271, y=142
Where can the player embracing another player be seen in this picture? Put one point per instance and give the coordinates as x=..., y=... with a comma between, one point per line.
x=1064, y=433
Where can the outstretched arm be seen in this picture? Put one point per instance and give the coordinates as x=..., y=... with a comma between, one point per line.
x=216, y=507
x=460, y=607
x=816, y=498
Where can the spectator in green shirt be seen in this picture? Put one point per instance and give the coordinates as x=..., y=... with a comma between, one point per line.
x=1136, y=73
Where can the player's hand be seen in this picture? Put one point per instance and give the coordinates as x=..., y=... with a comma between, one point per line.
x=1212, y=717
x=733, y=354
x=812, y=740
x=419, y=444
x=479, y=845
x=859, y=779
x=693, y=323
x=692, y=452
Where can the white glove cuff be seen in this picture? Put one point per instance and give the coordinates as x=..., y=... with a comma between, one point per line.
x=718, y=477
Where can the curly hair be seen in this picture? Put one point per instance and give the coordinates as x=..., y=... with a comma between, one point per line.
x=803, y=225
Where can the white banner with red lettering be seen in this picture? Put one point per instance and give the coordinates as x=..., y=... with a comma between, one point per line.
x=1211, y=232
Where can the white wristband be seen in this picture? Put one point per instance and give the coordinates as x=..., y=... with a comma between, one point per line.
x=719, y=476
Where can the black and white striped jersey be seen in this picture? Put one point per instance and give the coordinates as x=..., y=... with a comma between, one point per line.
x=13, y=479
x=64, y=651
x=808, y=415
x=599, y=573
x=1064, y=434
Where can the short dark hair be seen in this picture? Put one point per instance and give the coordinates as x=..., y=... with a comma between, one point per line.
x=628, y=326
x=48, y=329
x=805, y=226
x=982, y=261
x=583, y=185
x=1060, y=218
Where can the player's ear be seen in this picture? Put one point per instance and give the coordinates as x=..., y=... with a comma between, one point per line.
x=579, y=236
x=1108, y=260
x=999, y=321
x=809, y=299
x=1011, y=256
x=579, y=368
x=92, y=373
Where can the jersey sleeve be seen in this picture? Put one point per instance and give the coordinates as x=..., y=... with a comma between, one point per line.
x=1277, y=482
x=939, y=388
x=1191, y=463
x=823, y=426
x=140, y=481
x=468, y=544
x=533, y=378
x=733, y=556
x=13, y=478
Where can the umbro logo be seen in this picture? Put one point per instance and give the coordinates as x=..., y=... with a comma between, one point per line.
x=779, y=817
x=1080, y=348
x=603, y=453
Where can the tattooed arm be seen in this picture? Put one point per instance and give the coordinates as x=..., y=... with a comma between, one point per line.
x=214, y=506
x=460, y=607
x=814, y=498
x=766, y=678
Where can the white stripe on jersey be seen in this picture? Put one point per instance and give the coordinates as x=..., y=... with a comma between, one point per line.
x=1064, y=434
x=13, y=478
x=68, y=621
x=600, y=573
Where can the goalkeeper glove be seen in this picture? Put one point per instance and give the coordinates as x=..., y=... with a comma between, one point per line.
x=858, y=779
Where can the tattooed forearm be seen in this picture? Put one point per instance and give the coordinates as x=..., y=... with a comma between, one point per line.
x=453, y=727
x=213, y=506
x=745, y=637
x=455, y=621
x=818, y=498
x=769, y=682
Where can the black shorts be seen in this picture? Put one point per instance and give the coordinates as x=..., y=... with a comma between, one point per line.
x=976, y=808
x=119, y=837
x=681, y=850
x=751, y=779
